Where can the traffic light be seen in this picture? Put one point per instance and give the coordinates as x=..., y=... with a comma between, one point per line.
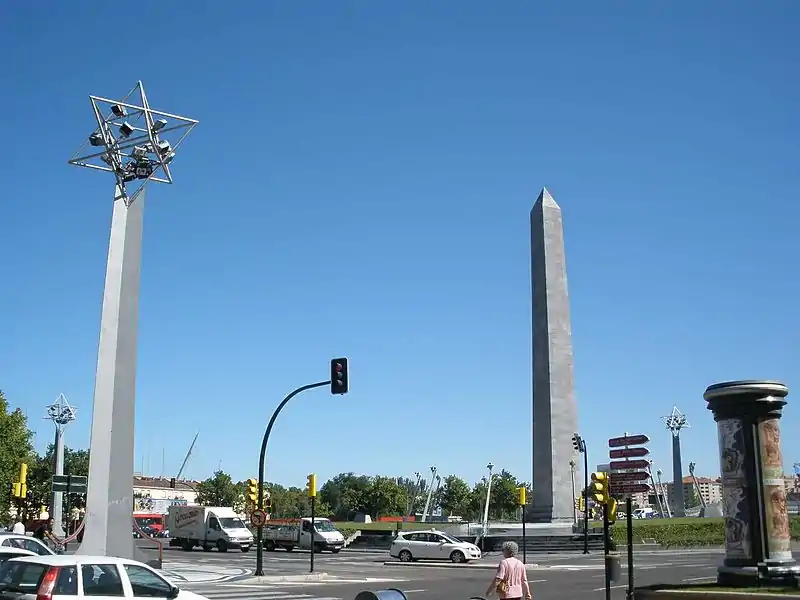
x=576, y=442
x=267, y=507
x=612, y=510
x=312, y=486
x=599, y=487
x=251, y=495
x=522, y=496
x=579, y=504
x=23, y=475
x=339, y=377
x=16, y=490
x=172, y=483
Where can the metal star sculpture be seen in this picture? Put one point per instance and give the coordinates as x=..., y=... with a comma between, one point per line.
x=60, y=413
x=128, y=142
x=675, y=421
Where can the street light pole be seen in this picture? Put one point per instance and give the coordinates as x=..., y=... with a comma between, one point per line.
x=572, y=465
x=490, y=466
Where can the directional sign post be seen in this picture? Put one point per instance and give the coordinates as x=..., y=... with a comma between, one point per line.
x=628, y=478
x=71, y=484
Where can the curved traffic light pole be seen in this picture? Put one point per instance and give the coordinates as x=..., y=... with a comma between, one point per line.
x=260, y=529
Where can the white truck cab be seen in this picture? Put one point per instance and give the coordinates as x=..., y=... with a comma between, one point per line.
x=297, y=533
x=208, y=527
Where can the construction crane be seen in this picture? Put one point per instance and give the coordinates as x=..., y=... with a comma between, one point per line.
x=186, y=459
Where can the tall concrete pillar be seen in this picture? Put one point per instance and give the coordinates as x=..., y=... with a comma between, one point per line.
x=555, y=414
x=58, y=497
x=109, y=499
x=758, y=547
x=679, y=502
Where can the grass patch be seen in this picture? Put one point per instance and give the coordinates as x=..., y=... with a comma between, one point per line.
x=686, y=532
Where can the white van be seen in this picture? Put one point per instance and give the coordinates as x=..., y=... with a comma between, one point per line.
x=644, y=513
x=208, y=527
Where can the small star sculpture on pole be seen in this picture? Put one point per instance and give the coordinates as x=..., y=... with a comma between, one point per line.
x=128, y=142
x=675, y=421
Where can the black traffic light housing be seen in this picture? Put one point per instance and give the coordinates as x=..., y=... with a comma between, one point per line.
x=340, y=383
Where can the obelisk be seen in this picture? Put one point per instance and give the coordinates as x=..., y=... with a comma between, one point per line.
x=555, y=414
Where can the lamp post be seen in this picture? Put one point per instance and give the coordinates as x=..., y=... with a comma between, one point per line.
x=430, y=495
x=128, y=142
x=61, y=414
x=572, y=464
x=490, y=466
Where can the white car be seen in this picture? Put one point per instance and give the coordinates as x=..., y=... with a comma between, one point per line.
x=26, y=542
x=63, y=577
x=432, y=545
x=9, y=553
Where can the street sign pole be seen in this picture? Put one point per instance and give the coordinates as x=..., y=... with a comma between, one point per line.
x=629, y=522
x=313, y=527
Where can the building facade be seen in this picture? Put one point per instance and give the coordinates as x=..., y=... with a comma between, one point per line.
x=154, y=494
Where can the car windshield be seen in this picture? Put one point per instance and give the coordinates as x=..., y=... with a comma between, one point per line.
x=231, y=523
x=451, y=538
x=324, y=526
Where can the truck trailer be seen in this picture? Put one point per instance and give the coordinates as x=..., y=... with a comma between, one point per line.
x=296, y=533
x=208, y=527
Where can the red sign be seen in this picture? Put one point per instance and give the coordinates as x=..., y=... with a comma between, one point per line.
x=258, y=517
x=628, y=440
x=632, y=476
x=628, y=452
x=619, y=465
x=629, y=488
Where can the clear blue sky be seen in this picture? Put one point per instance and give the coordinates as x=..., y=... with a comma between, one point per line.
x=360, y=185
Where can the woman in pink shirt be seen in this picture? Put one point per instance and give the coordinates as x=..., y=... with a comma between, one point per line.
x=511, y=575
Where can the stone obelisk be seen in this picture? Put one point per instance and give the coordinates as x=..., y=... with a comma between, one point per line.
x=555, y=414
x=109, y=499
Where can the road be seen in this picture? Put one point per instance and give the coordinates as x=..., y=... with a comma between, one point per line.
x=556, y=577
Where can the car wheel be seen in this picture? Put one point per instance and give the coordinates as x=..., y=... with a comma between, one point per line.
x=336, y=550
x=222, y=546
x=457, y=556
x=405, y=556
x=269, y=545
x=245, y=548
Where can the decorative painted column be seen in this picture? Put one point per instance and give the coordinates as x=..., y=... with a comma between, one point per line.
x=757, y=537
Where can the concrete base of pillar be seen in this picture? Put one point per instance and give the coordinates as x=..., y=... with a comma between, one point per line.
x=763, y=576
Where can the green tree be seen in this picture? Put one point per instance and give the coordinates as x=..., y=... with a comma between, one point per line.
x=346, y=495
x=455, y=496
x=503, y=504
x=293, y=503
x=385, y=498
x=694, y=498
x=15, y=448
x=41, y=468
x=220, y=490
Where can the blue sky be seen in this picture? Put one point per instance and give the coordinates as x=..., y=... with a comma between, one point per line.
x=360, y=184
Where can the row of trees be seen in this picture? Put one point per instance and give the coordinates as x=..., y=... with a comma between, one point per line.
x=344, y=497
x=16, y=447
x=348, y=495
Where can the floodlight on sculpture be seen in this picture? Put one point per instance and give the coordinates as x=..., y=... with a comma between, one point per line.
x=128, y=142
x=675, y=421
x=60, y=412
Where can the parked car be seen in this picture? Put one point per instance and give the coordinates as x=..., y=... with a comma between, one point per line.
x=72, y=576
x=26, y=542
x=432, y=545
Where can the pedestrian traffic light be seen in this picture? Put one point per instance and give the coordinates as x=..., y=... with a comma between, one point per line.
x=251, y=495
x=522, y=496
x=267, y=507
x=339, y=377
x=312, y=486
x=599, y=487
x=16, y=489
x=172, y=483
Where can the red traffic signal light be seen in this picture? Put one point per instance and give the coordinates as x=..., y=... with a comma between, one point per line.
x=340, y=383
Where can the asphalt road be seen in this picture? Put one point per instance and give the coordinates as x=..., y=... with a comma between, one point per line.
x=556, y=577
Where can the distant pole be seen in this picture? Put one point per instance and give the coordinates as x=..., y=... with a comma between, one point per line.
x=313, y=528
x=61, y=414
x=490, y=466
x=572, y=465
x=585, y=497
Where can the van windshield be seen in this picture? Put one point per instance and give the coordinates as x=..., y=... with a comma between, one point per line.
x=324, y=526
x=231, y=523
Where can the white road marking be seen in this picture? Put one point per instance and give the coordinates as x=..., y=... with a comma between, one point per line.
x=613, y=587
x=699, y=579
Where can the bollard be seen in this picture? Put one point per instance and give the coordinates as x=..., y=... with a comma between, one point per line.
x=613, y=567
x=387, y=594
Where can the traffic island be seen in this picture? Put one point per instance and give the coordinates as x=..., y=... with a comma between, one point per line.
x=713, y=591
x=448, y=565
x=253, y=579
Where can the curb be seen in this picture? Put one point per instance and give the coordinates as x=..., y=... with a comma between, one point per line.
x=433, y=565
x=273, y=578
